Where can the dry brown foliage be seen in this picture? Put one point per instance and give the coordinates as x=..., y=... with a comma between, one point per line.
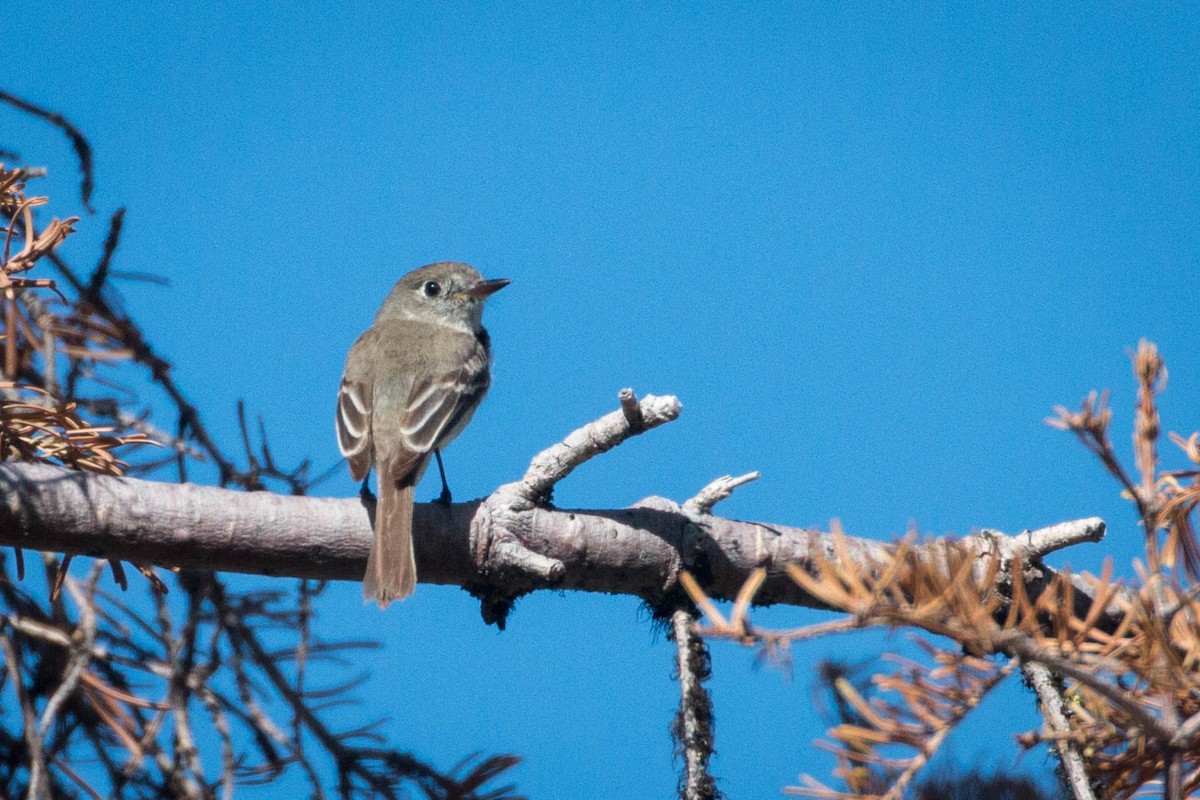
x=35, y=424
x=1128, y=661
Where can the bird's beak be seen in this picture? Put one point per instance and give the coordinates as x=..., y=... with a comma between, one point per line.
x=485, y=288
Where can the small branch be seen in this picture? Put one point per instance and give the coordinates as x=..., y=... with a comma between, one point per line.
x=1030, y=651
x=96, y=284
x=934, y=743
x=228, y=753
x=83, y=643
x=186, y=763
x=37, y=758
x=555, y=463
x=83, y=150
x=1037, y=543
x=717, y=491
x=509, y=564
x=1053, y=710
x=693, y=729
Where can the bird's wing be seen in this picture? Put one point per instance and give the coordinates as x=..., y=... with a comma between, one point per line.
x=354, y=427
x=441, y=404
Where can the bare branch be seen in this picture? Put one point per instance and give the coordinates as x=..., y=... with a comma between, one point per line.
x=83, y=150
x=1053, y=705
x=1040, y=542
x=555, y=463
x=38, y=787
x=717, y=491
x=83, y=642
x=693, y=729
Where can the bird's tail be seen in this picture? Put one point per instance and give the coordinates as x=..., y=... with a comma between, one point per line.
x=392, y=566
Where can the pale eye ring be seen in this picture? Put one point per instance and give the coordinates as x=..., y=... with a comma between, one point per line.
x=432, y=288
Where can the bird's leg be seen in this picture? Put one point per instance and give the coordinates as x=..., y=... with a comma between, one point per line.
x=367, y=499
x=444, y=498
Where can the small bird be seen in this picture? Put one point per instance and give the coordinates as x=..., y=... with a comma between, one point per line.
x=411, y=384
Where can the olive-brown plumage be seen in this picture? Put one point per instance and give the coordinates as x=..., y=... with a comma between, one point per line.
x=411, y=384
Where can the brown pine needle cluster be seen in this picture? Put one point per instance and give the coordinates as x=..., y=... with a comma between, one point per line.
x=30, y=430
x=35, y=423
x=18, y=210
x=930, y=701
x=1127, y=656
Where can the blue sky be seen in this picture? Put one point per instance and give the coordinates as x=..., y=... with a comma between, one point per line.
x=869, y=248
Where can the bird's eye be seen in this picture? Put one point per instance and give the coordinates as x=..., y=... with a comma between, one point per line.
x=432, y=289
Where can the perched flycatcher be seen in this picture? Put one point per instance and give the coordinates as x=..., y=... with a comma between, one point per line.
x=411, y=383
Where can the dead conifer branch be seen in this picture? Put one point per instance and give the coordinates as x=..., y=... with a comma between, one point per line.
x=1135, y=677
x=966, y=683
x=1165, y=501
x=33, y=431
x=1157, y=639
x=102, y=317
x=912, y=707
x=1090, y=424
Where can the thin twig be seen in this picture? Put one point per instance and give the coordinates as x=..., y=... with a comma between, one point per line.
x=83, y=642
x=38, y=787
x=83, y=150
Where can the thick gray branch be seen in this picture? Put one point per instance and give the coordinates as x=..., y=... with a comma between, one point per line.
x=638, y=550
